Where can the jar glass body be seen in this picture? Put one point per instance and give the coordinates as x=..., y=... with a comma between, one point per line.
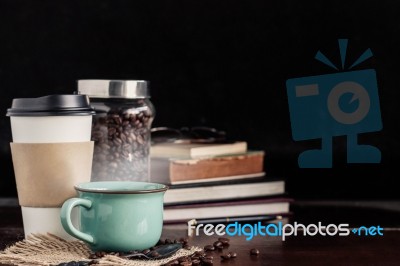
x=121, y=132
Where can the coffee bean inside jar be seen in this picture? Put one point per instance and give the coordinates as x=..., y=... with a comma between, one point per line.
x=121, y=128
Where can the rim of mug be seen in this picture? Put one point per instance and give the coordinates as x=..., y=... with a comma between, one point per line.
x=117, y=191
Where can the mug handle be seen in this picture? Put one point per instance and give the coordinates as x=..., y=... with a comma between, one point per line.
x=66, y=218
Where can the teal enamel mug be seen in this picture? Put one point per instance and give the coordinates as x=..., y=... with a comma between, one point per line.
x=117, y=215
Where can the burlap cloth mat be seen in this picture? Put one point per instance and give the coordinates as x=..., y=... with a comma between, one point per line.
x=46, y=250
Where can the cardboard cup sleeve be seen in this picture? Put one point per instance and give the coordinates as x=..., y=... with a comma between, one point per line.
x=46, y=173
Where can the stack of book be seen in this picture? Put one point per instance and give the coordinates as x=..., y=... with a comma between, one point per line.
x=215, y=181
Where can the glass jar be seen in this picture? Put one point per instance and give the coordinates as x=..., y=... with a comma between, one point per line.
x=120, y=129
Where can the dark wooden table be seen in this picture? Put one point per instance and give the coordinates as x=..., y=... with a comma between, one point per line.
x=300, y=250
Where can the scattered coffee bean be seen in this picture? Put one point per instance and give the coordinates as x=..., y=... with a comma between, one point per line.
x=196, y=262
x=226, y=256
x=183, y=240
x=207, y=262
x=218, y=245
x=233, y=254
x=200, y=253
x=254, y=251
x=209, y=248
x=168, y=241
x=182, y=259
x=224, y=241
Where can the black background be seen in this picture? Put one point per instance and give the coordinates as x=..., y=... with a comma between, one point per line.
x=216, y=63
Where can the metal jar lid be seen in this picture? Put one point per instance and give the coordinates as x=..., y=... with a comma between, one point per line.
x=102, y=88
x=51, y=105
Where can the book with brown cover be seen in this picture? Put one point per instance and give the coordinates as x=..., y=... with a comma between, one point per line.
x=170, y=170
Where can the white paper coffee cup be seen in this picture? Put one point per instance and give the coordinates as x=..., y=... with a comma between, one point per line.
x=50, y=119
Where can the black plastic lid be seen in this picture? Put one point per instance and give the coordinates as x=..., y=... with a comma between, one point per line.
x=51, y=105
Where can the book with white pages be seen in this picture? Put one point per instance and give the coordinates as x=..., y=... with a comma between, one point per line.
x=224, y=190
x=237, y=208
